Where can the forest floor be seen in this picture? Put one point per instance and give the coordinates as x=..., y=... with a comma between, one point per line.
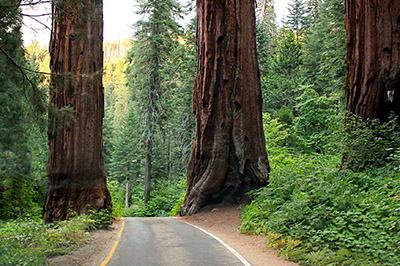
x=221, y=221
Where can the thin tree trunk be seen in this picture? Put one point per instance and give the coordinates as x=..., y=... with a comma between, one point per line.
x=373, y=58
x=228, y=156
x=147, y=174
x=169, y=160
x=76, y=177
x=127, y=195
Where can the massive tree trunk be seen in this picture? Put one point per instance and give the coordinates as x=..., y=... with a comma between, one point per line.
x=228, y=156
x=373, y=58
x=76, y=177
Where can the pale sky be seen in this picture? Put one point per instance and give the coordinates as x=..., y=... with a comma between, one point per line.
x=281, y=9
x=119, y=16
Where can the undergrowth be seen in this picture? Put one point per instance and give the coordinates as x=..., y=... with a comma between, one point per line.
x=28, y=241
x=315, y=214
x=165, y=200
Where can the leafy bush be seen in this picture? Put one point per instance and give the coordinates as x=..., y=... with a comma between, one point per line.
x=329, y=211
x=317, y=215
x=182, y=185
x=372, y=143
x=102, y=218
x=118, y=197
x=318, y=121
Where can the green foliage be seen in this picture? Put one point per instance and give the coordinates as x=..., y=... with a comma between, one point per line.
x=30, y=242
x=152, y=107
x=317, y=215
x=102, y=218
x=117, y=191
x=280, y=70
x=22, y=122
x=182, y=186
x=163, y=201
x=318, y=122
x=372, y=143
x=309, y=199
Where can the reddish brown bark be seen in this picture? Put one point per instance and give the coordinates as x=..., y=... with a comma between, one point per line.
x=228, y=156
x=373, y=57
x=76, y=178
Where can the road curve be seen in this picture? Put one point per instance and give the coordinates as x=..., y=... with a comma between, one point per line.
x=168, y=242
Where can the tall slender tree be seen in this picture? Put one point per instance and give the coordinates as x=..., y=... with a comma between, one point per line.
x=373, y=60
x=298, y=17
x=76, y=178
x=14, y=163
x=228, y=156
x=22, y=119
x=155, y=38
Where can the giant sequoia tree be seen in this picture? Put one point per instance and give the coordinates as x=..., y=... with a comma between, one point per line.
x=228, y=156
x=373, y=58
x=76, y=178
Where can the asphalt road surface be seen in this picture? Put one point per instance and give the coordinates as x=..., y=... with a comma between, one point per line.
x=168, y=242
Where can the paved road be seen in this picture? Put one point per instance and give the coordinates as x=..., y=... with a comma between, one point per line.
x=168, y=242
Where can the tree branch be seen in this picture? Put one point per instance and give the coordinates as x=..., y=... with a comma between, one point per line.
x=21, y=69
x=38, y=21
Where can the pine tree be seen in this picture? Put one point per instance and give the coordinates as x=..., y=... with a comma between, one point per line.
x=178, y=96
x=154, y=41
x=280, y=83
x=298, y=18
x=325, y=49
x=21, y=120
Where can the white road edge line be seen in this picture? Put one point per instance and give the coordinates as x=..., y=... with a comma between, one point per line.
x=243, y=260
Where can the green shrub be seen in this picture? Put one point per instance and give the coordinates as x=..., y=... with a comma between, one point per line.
x=182, y=185
x=317, y=215
x=102, y=218
x=310, y=200
x=372, y=143
x=117, y=191
x=30, y=242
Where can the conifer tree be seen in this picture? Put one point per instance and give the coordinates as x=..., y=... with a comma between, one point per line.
x=325, y=49
x=14, y=166
x=154, y=40
x=298, y=18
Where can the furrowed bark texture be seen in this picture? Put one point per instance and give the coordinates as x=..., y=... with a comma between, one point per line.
x=228, y=156
x=373, y=58
x=76, y=177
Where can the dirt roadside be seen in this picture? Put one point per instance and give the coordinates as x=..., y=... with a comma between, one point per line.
x=224, y=222
x=93, y=252
x=221, y=221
